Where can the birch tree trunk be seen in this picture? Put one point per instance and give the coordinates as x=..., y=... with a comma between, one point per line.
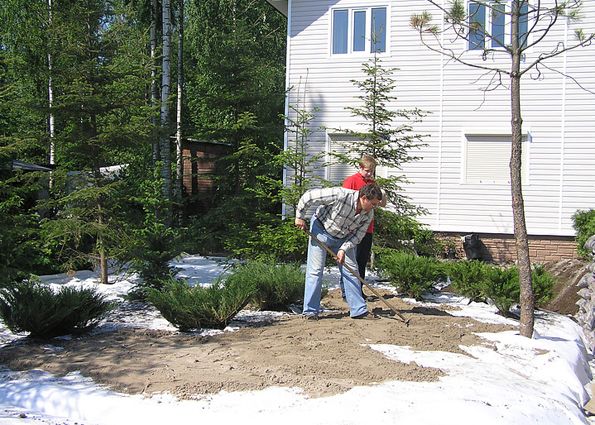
x=165, y=89
x=179, y=162
x=101, y=248
x=154, y=86
x=51, y=124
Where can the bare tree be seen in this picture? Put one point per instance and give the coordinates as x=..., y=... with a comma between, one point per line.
x=531, y=23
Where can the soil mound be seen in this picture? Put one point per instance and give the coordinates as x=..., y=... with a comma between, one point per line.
x=567, y=274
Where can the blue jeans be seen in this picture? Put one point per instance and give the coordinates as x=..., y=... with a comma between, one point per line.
x=362, y=256
x=315, y=268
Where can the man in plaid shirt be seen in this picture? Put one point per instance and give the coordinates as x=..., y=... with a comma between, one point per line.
x=340, y=222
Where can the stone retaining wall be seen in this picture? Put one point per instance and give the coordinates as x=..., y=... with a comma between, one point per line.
x=586, y=302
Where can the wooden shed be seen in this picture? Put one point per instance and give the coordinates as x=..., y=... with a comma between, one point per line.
x=200, y=163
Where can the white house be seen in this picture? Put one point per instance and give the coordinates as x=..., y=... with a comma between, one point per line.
x=462, y=178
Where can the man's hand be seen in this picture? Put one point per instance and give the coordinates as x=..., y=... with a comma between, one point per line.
x=382, y=203
x=340, y=256
x=299, y=223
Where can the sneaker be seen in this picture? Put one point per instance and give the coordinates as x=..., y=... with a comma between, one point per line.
x=366, y=316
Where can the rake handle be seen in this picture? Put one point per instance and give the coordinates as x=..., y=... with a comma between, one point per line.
x=366, y=284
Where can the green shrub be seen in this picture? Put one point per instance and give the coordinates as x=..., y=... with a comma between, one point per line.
x=197, y=307
x=392, y=230
x=20, y=245
x=543, y=284
x=426, y=244
x=412, y=275
x=277, y=286
x=466, y=278
x=281, y=242
x=502, y=286
x=404, y=233
x=153, y=248
x=229, y=224
x=584, y=224
x=37, y=309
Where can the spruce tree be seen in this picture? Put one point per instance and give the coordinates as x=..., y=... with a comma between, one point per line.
x=102, y=121
x=385, y=133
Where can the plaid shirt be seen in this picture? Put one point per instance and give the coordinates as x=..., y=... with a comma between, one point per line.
x=337, y=213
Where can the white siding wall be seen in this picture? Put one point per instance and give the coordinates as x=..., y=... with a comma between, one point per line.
x=558, y=115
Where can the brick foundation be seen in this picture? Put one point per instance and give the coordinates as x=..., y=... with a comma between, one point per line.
x=500, y=248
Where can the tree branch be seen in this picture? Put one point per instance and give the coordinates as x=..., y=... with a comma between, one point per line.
x=570, y=77
x=556, y=52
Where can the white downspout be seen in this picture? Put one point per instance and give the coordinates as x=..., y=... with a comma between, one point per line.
x=440, y=126
x=562, y=131
x=286, y=121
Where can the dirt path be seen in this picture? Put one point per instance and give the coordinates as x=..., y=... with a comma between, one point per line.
x=322, y=357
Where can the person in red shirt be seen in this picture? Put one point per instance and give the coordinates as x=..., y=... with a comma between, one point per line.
x=364, y=176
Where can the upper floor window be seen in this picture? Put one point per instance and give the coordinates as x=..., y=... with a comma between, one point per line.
x=493, y=18
x=359, y=30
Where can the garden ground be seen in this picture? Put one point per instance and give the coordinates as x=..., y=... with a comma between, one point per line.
x=454, y=363
x=323, y=357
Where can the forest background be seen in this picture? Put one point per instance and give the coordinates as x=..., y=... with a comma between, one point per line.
x=89, y=84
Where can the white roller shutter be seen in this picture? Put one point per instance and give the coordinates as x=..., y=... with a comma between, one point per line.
x=487, y=159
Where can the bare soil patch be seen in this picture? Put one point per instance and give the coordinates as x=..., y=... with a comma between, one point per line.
x=567, y=273
x=322, y=357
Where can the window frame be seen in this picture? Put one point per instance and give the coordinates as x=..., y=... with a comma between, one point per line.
x=489, y=22
x=351, y=28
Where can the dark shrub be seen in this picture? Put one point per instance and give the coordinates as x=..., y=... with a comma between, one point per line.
x=404, y=233
x=412, y=275
x=277, y=286
x=153, y=248
x=543, y=283
x=502, y=286
x=584, y=224
x=37, y=309
x=467, y=278
x=197, y=307
x=281, y=242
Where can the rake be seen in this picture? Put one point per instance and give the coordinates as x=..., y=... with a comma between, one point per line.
x=363, y=282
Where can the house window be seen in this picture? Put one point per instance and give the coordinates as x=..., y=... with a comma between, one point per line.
x=523, y=25
x=359, y=30
x=336, y=171
x=487, y=158
x=378, y=39
x=477, y=20
x=495, y=16
x=498, y=26
x=340, y=31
